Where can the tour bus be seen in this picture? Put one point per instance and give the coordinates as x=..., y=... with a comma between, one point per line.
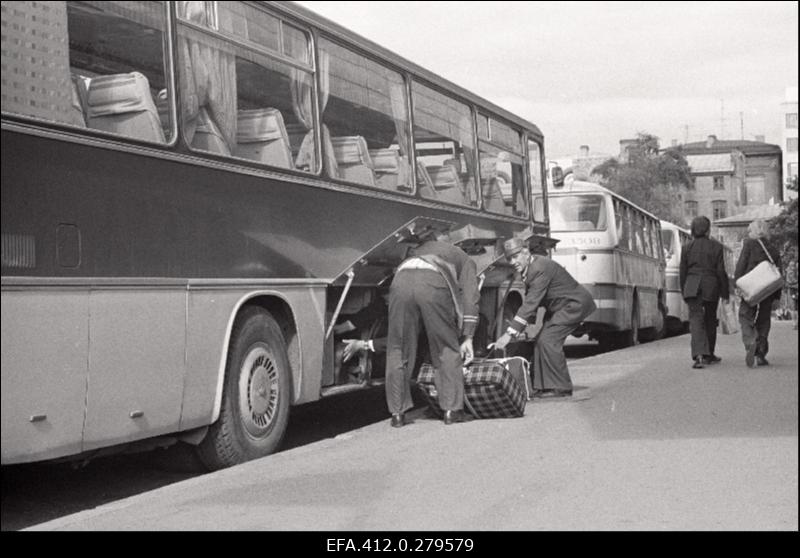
x=673, y=238
x=613, y=248
x=195, y=193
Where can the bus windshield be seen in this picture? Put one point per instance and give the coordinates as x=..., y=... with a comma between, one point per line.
x=576, y=213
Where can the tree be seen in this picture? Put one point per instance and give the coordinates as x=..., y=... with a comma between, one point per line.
x=783, y=236
x=650, y=179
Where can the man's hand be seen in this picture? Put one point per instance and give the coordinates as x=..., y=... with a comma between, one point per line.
x=353, y=347
x=501, y=342
x=467, y=353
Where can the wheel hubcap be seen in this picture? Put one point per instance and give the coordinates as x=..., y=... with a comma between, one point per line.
x=258, y=391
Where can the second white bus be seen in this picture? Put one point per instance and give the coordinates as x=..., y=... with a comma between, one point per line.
x=613, y=248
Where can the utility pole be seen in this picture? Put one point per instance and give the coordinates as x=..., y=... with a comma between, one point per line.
x=722, y=119
x=741, y=124
x=685, y=134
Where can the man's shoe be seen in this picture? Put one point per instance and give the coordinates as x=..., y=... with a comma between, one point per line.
x=539, y=392
x=398, y=420
x=761, y=361
x=554, y=393
x=451, y=417
x=712, y=359
x=750, y=357
x=698, y=363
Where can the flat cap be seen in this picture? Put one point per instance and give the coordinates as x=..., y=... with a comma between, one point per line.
x=513, y=246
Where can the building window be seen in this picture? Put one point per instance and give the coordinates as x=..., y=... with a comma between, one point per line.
x=791, y=120
x=791, y=145
x=691, y=210
x=719, y=182
x=719, y=209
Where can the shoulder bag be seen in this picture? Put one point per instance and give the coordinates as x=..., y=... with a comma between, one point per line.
x=760, y=282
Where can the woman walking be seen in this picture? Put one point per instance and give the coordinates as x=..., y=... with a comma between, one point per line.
x=755, y=319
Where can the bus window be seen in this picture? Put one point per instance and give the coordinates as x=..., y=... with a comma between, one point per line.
x=445, y=145
x=110, y=77
x=648, y=245
x=239, y=99
x=364, y=110
x=501, y=168
x=623, y=225
x=577, y=213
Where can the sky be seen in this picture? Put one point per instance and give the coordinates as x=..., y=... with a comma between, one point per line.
x=592, y=73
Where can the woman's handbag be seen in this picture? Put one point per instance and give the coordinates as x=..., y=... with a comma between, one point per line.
x=728, y=320
x=761, y=281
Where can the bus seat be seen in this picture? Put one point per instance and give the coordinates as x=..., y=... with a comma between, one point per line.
x=352, y=157
x=261, y=136
x=391, y=170
x=207, y=136
x=123, y=104
x=455, y=163
x=447, y=184
x=162, y=108
x=493, y=198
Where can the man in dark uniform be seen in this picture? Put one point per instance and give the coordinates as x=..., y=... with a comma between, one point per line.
x=703, y=281
x=566, y=305
x=437, y=284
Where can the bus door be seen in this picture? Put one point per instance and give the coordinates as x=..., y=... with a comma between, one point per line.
x=358, y=283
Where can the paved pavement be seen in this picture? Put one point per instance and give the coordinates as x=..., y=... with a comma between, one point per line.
x=653, y=445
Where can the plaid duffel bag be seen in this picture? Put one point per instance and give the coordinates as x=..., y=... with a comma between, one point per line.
x=493, y=388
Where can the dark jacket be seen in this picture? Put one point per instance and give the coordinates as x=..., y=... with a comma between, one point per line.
x=463, y=281
x=549, y=285
x=702, y=270
x=753, y=254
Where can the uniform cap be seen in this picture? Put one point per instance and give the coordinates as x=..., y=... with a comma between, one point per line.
x=513, y=246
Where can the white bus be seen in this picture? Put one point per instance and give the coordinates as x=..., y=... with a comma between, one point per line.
x=674, y=238
x=613, y=248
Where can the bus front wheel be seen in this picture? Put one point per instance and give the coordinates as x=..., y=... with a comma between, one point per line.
x=255, y=396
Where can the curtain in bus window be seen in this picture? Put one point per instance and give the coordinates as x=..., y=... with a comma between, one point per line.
x=207, y=72
x=302, y=104
x=467, y=139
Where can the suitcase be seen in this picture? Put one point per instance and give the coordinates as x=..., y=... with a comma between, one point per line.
x=493, y=387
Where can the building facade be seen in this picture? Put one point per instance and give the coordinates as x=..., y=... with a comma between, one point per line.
x=789, y=145
x=731, y=176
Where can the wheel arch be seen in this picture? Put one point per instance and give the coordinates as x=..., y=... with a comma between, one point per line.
x=277, y=304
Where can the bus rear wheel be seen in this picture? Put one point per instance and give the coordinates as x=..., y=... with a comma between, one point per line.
x=630, y=337
x=255, y=396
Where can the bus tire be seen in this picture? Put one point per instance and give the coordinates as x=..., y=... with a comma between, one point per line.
x=661, y=332
x=255, y=395
x=630, y=337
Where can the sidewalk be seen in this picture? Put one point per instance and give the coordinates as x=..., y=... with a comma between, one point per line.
x=656, y=446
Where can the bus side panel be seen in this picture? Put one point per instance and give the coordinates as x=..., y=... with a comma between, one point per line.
x=136, y=364
x=613, y=308
x=43, y=383
x=211, y=315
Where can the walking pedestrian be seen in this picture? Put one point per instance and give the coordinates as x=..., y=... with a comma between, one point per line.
x=566, y=304
x=756, y=319
x=703, y=282
x=437, y=287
